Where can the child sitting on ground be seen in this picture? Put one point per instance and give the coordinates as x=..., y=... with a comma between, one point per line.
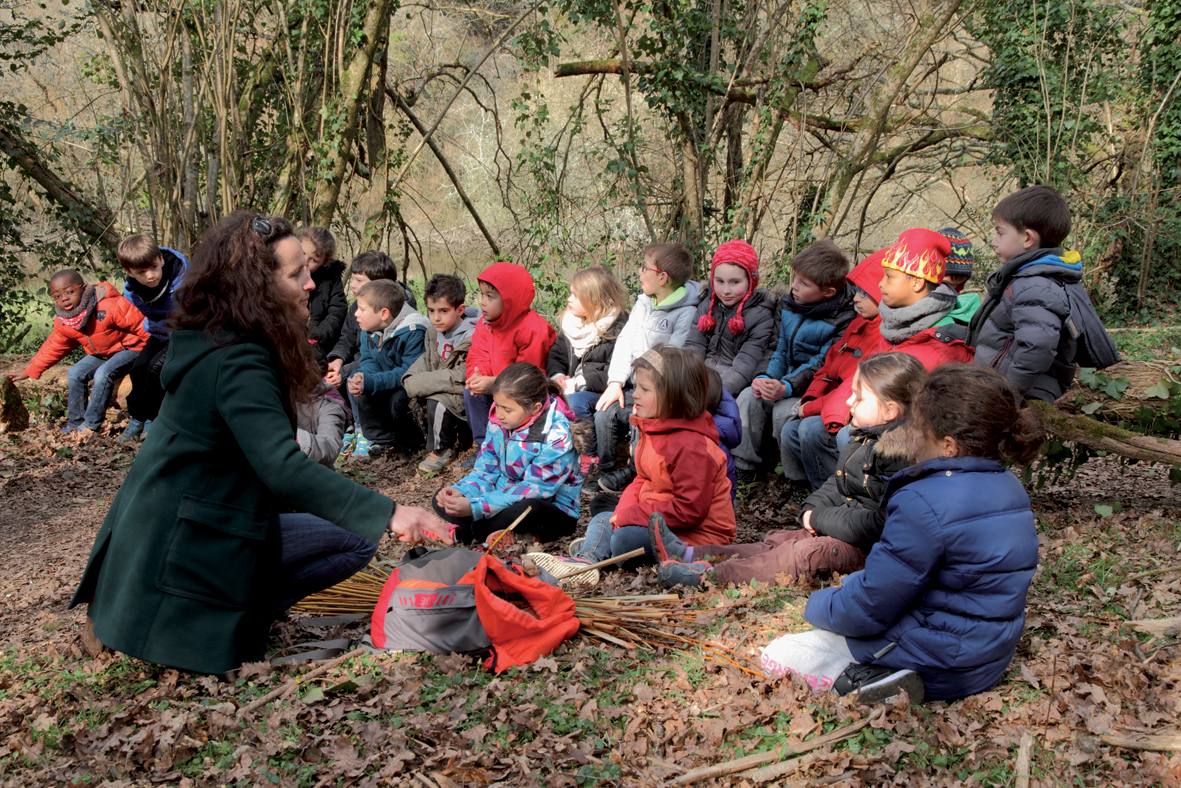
x=811, y=317
x=508, y=331
x=153, y=275
x=434, y=382
x=1019, y=331
x=940, y=605
x=841, y=521
x=681, y=470
x=394, y=337
x=663, y=314
x=320, y=424
x=527, y=461
x=595, y=316
x=720, y=404
x=735, y=328
x=809, y=440
x=327, y=305
x=108, y=328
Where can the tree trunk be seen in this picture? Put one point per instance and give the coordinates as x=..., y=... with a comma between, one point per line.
x=352, y=89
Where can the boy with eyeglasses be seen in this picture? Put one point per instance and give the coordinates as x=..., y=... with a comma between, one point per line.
x=665, y=313
x=107, y=327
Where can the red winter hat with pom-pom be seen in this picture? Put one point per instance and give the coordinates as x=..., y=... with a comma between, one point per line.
x=743, y=255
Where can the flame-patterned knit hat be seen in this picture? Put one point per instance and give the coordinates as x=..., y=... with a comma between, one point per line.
x=743, y=255
x=919, y=252
x=961, y=260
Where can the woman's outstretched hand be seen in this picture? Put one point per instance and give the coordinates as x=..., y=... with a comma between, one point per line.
x=413, y=524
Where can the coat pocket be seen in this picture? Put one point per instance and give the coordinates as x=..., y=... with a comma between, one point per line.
x=212, y=552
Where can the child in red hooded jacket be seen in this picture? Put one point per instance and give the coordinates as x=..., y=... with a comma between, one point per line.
x=508, y=331
x=108, y=328
x=810, y=439
x=681, y=470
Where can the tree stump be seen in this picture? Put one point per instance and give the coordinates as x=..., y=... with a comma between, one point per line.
x=14, y=416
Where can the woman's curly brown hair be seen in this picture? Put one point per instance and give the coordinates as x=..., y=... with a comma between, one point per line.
x=229, y=292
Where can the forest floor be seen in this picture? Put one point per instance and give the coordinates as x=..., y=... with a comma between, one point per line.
x=1096, y=700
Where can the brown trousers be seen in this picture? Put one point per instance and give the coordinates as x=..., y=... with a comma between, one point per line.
x=798, y=554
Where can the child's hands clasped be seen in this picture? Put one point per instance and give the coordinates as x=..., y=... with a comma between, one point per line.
x=769, y=389
x=332, y=376
x=453, y=502
x=357, y=384
x=480, y=384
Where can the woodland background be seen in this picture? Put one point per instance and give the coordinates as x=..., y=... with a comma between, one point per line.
x=560, y=134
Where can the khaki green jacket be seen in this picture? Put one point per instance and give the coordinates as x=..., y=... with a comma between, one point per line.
x=184, y=570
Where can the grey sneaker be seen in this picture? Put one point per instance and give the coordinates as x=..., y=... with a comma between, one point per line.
x=674, y=573
x=134, y=430
x=437, y=461
x=576, y=546
x=665, y=543
x=877, y=683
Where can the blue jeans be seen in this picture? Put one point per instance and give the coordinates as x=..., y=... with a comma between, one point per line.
x=812, y=446
x=88, y=404
x=317, y=554
x=477, y=407
x=604, y=541
x=583, y=403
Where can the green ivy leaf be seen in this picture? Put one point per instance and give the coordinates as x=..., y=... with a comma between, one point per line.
x=1104, y=511
x=1160, y=390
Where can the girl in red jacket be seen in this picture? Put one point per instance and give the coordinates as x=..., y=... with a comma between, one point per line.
x=681, y=471
x=108, y=328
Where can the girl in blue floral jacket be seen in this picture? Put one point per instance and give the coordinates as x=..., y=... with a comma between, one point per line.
x=527, y=461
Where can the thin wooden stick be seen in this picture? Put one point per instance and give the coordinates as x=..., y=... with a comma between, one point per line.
x=1152, y=572
x=515, y=523
x=639, y=551
x=1024, y=754
x=1159, y=743
x=783, y=753
x=295, y=682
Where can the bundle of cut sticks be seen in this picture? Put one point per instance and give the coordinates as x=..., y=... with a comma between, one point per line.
x=630, y=622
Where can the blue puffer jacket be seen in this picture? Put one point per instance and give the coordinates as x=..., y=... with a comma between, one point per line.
x=536, y=460
x=806, y=332
x=386, y=356
x=943, y=592
x=157, y=310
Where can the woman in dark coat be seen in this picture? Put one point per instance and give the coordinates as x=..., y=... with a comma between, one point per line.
x=197, y=554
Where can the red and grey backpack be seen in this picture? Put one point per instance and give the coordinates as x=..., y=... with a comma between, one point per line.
x=459, y=601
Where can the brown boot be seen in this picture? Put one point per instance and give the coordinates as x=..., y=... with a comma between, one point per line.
x=90, y=642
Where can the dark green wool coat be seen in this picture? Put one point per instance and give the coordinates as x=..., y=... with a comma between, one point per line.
x=183, y=571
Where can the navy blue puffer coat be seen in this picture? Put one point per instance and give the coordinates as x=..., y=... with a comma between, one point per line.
x=943, y=592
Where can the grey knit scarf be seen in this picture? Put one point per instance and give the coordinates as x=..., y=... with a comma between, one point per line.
x=906, y=321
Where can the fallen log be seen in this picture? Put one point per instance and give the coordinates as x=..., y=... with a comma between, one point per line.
x=1100, y=436
x=1141, y=377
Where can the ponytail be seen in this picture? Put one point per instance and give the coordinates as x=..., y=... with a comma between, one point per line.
x=527, y=385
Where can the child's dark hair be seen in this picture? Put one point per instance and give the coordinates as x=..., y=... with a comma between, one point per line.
x=981, y=410
x=893, y=377
x=68, y=274
x=713, y=394
x=448, y=287
x=674, y=259
x=526, y=385
x=383, y=294
x=1038, y=208
x=321, y=238
x=137, y=252
x=682, y=383
x=375, y=265
x=824, y=263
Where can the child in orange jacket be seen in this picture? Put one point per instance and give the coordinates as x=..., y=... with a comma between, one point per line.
x=681, y=470
x=508, y=331
x=108, y=328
